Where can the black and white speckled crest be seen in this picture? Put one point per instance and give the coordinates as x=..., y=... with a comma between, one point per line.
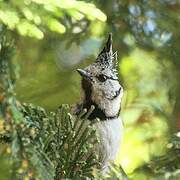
x=106, y=61
x=107, y=58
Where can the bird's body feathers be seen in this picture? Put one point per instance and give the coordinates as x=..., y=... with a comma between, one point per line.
x=101, y=88
x=110, y=134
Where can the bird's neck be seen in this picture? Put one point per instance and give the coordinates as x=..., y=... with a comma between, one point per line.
x=103, y=109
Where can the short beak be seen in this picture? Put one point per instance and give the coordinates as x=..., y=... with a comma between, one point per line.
x=83, y=73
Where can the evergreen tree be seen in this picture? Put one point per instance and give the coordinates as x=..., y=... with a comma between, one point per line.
x=42, y=145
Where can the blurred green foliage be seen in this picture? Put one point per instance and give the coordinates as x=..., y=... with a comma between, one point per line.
x=38, y=144
x=146, y=35
x=33, y=17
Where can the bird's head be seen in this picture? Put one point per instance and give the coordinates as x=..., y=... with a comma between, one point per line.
x=100, y=81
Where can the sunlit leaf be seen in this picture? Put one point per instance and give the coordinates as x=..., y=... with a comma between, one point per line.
x=41, y=1
x=91, y=11
x=28, y=29
x=56, y=26
x=27, y=13
x=9, y=18
x=75, y=14
x=86, y=8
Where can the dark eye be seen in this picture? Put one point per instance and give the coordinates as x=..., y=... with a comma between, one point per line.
x=102, y=78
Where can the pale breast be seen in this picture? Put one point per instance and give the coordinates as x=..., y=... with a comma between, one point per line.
x=110, y=134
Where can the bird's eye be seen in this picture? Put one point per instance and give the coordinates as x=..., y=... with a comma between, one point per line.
x=102, y=78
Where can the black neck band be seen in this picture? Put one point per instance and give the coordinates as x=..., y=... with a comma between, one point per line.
x=97, y=112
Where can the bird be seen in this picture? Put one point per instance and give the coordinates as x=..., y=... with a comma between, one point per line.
x=102, y=89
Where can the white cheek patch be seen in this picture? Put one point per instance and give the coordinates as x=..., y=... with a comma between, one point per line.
x=111, y=89
x=102, y=95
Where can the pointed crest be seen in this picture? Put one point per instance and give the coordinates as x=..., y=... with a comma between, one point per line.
x=108, y=46
x=106, y=56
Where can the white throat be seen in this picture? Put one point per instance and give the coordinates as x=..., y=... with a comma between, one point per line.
x=110, y=107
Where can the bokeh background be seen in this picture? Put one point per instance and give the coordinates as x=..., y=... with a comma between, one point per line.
x=54, y=38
